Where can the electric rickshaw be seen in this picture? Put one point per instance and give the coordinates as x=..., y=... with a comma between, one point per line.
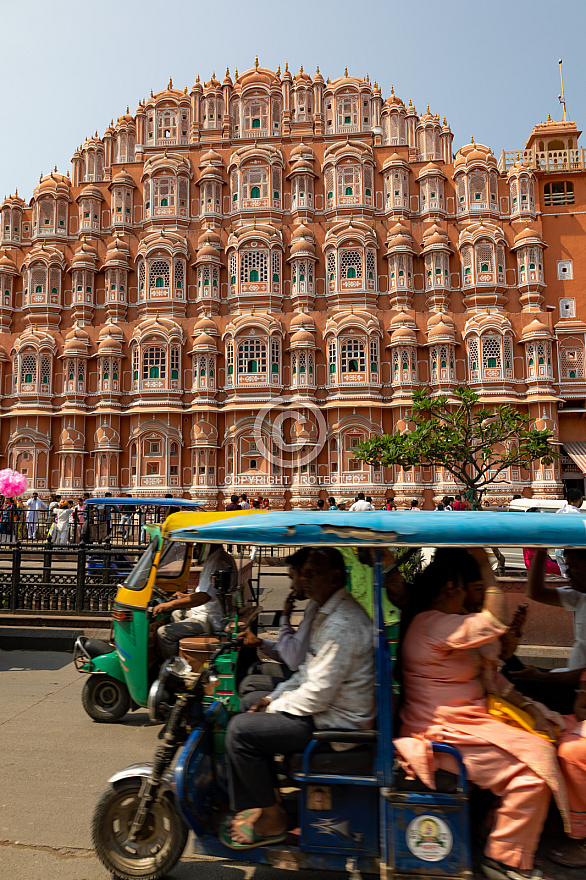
x=353, y=809
x=122, y=670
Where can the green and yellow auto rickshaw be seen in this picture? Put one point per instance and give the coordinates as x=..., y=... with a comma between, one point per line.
x=122, y=670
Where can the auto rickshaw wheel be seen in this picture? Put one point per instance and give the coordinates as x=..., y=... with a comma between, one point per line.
x=156, y=850
x=105, y=699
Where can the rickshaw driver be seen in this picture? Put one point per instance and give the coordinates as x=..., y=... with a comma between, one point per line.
x=198, y=612
x=333, y=688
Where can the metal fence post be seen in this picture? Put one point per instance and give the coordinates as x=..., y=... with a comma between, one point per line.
x=80, y=579
x=16, y=557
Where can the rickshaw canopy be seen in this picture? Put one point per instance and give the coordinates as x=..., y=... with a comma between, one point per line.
x=394, y=529
x=148, y=502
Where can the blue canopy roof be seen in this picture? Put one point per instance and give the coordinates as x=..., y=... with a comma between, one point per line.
x=148, y=502
x=399, y=529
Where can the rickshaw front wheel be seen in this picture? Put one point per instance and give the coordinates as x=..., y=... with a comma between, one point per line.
x=105, y=699
x=159, y=845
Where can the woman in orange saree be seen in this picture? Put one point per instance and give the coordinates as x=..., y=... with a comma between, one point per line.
x=448, y=665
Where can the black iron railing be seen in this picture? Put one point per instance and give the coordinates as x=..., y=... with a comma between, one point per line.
x=67, y=580
x=122, y=527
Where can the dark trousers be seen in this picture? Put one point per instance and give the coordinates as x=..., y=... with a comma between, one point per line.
x=252, y=741
x=263, y=677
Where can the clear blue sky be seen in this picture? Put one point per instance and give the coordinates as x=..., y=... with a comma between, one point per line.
x=490, y=67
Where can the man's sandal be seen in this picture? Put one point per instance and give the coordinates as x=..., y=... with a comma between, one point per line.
x=255, y=839
x=499, y=871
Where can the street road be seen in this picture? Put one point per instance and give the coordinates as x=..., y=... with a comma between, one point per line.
x=56, y=762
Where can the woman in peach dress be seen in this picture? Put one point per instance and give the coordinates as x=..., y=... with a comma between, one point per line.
x=449, y=662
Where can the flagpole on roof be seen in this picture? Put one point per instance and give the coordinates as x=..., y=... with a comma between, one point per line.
x=562, y=97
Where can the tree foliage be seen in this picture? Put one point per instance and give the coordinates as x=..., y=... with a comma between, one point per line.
x=475, y=444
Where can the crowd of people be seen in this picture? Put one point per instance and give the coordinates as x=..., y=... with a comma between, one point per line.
x=454, y=683
x=365, y=502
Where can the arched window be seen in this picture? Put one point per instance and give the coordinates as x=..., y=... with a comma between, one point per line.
x=154, y=363
x=256, y=115
x=164, y=190
x=252, y=356
x=351, y=266
x=353, y=358
x=253, y=261
x=492, y=356
x=348, y=184
x=255, y=187
x=159, y=274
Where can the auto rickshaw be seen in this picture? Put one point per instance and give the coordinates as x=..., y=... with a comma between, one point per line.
x=122, y=671
x=353, y=809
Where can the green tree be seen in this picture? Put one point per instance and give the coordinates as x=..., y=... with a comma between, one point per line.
x=475, y=444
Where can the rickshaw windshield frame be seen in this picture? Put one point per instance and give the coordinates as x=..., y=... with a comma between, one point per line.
x=171, y=547
x=138, y=577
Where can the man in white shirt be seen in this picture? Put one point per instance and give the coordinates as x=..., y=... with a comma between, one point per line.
x=572, y=597
x=289, y=649
x=203, y=610
x=244, y=502
x=361, y=503
x=572, y=504
x=33, y=506
x=333, y=688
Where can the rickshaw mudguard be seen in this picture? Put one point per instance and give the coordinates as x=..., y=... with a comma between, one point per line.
x=108, y=664
x=195, y=778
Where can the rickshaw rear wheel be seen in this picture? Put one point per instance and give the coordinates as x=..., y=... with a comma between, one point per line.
x=105, y=699
x=157, y=849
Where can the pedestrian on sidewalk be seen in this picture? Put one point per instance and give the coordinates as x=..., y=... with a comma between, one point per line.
x=33, y=506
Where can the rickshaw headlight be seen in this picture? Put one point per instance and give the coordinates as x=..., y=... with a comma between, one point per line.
x=157, y=705
x=173, y=677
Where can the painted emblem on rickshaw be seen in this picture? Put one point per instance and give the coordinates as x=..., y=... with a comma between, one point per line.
x=429, y=838
x=319, y=797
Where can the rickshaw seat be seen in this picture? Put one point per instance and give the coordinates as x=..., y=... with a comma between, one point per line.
x=445, y=782
x=358, y=761
x=96, y=647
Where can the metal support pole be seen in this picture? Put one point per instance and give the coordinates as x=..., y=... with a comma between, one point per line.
x=15, y=581
x=80, y=579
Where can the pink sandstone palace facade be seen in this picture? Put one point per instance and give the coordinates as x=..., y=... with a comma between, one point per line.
x=240, y=282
